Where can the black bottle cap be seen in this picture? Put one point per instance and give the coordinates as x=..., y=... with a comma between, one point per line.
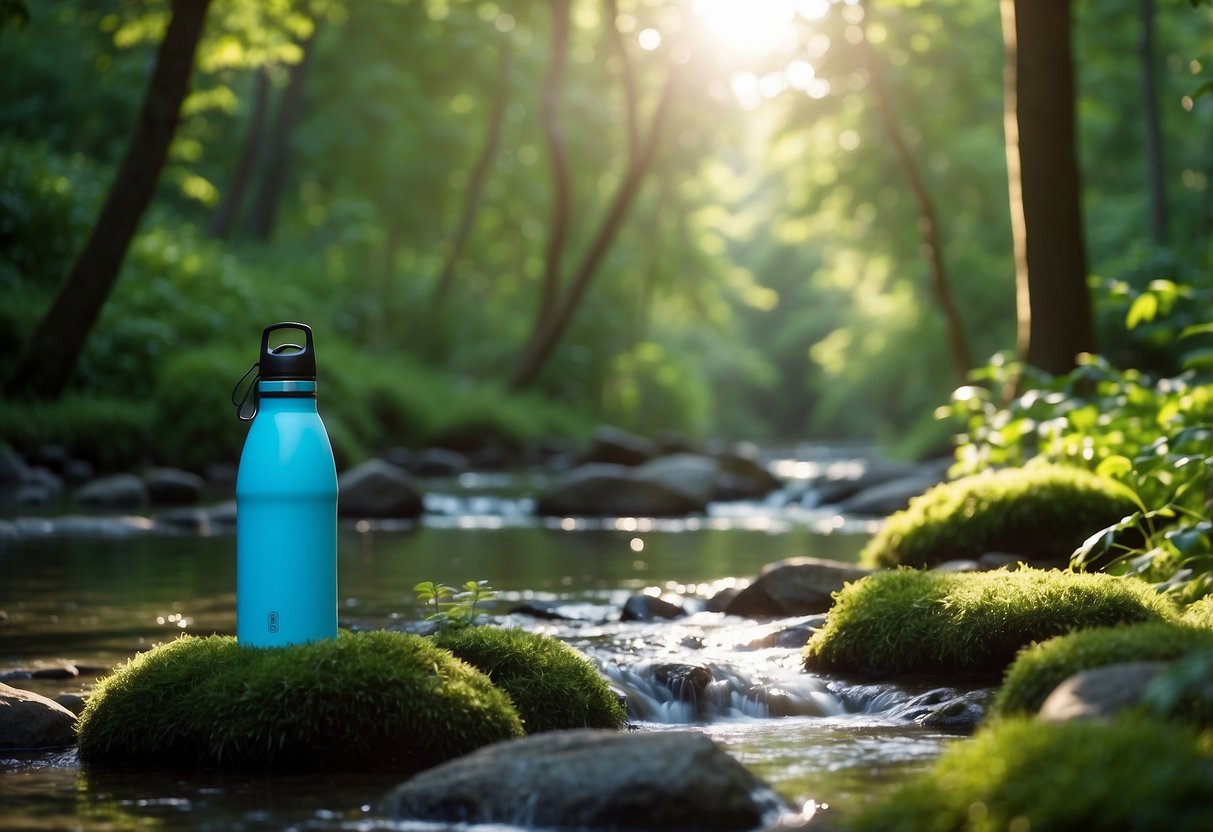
x=288, y=361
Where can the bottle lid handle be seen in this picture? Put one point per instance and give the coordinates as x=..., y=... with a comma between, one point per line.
x=288, y=361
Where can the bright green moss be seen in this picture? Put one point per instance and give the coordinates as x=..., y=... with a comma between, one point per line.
x=1131, y=775
x=1200, y=613
x=1041, y=668
x=1043, y=512
x=378, y=699
x=553, y=686
x=907, y=621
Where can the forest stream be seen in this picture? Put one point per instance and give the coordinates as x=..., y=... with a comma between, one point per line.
x=90, y=602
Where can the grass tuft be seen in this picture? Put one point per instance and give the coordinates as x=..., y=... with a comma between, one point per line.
x=907, y=621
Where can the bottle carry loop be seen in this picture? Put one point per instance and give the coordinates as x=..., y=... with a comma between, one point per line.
x=243, y=404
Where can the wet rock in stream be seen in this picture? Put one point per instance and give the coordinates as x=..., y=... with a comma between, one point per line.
x=29, y=721
x=593, y=780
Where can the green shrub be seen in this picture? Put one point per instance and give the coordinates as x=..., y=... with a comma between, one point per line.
x=553, y=686
x=111, y=433
x=908, y=621
x=1131, y=775
x=1041, y=512
x=376, y=699
x=1042, y=667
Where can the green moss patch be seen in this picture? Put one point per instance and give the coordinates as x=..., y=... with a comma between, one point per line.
x=1037, y=671
x=378, y=699
x=908, y=621
x=1043, y=512
x=1132, y=774
x=1200, y=613
x=553, y=686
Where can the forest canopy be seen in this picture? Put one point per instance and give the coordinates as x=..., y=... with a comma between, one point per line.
x=766, y=220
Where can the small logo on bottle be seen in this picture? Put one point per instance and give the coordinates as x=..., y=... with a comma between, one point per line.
x=273, y=621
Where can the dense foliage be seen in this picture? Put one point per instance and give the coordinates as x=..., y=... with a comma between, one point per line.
x=767, y=280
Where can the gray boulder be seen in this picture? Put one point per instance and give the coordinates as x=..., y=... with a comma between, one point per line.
x=690, y=474
x=1101, y=692
x=796, y=586
x=29, y=721
x=894, y=495
x=618, y=447
x=593, y=780
x=172, y=486
x=603, y=490
x=743, y=476
x=649, y=608
x=378, y=490
x=113, y=491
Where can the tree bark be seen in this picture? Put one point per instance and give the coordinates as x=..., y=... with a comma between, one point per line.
x=1155, y=168
x=55, y=346
x=550, y=329
x=229, y=206
x=1053, y=305
x=475, y=191
x=562, y=181
x=263, y=216
x=928, y=220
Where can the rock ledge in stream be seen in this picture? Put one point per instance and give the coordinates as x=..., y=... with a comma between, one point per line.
x=29, y=721
x=670, y=486
x=594, y=780
x=795, y=586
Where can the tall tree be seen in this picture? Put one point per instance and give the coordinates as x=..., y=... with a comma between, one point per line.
x=1052, y=301
x=566, y=297
x=928, y=216
x=51, y=354
x=263, y=215
x=233, y=196
x=1155, y=170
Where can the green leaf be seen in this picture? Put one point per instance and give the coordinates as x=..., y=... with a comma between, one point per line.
x=1115, y=466
x=1196, y=329
x=1143, y=310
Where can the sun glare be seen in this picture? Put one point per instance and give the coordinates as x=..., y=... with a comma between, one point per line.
x=757, y=26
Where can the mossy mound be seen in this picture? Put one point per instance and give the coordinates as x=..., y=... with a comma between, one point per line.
x=552, y=685
x=1043, y=512
x=907, y=621
x=1200, y=613
x=368, y=700
x=1037, y=671
x=1128, y=775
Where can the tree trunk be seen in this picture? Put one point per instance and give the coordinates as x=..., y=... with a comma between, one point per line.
x=229, y=206
x=1052, y=302
x=264, y=213
x=475, y=190
x=562, y=183
x=1155, y=169
x=55, y=346
x=928, y=221
x=550, y=329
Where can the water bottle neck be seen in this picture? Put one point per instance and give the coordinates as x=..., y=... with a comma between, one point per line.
x=289, y=394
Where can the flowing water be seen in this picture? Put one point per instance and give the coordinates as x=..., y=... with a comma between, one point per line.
x=75, y=597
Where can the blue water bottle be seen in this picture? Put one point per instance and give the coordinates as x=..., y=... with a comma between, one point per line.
x=286, y=503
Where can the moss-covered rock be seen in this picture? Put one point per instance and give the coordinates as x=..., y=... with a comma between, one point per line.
x=1200, y=613
x=907, y=621
x=1041, y=668
x=378, y=699
x=1128, y=775
x=1043, y=512
x=552, y=685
